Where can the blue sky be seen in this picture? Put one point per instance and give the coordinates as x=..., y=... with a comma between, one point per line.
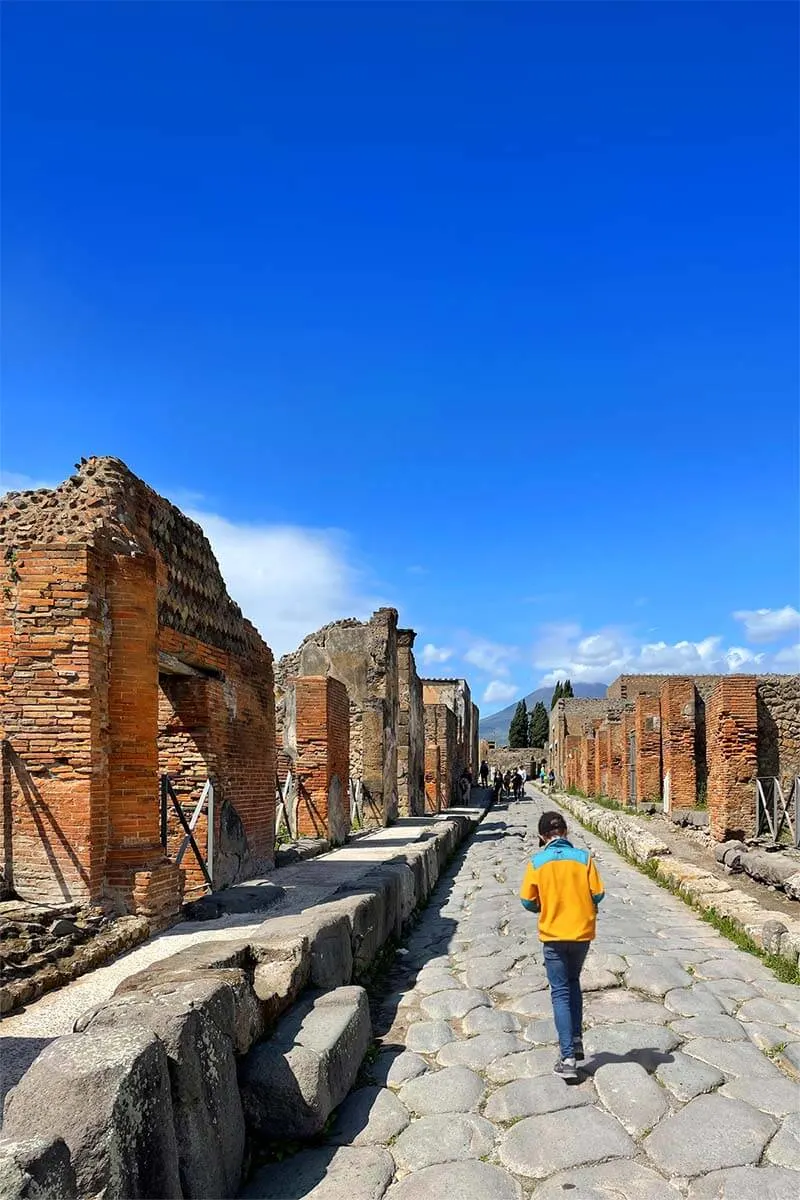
x=489, y=311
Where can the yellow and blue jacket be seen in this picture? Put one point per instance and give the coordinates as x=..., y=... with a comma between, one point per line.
x=562, y=884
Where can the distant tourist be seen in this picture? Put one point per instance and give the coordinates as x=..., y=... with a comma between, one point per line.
x=516, y=784
x=542, y=774
x=484, y=773
x=552, y=777
x=562, y=885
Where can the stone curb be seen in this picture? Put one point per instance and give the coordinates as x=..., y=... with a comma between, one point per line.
x=771, y=931
x=197, y=1015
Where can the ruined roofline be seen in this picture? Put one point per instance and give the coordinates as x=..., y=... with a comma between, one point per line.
x=663, y=678
x=105, y=506
x=449, y=679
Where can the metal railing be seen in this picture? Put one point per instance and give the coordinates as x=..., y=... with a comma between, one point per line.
x=776, y=812
x=205, y=801
x=286, y=807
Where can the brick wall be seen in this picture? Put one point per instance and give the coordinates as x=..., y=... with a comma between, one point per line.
x=572, y=759
x=628, y=753
x=732, y=729
x=647, y=724
x=615, y=760
x=433, y=779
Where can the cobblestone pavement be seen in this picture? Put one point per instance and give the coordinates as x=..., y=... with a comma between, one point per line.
x=688, y=1089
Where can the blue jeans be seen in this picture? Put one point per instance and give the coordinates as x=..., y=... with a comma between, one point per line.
x=563, y=962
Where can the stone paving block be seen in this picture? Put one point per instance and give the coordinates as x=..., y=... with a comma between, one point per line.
x=731, y=992
x=453, y=1089
x=370, y=1116
x=325, y=1173
x=732, y=966
x=533, y=1005
x=538, y=1146
x=532, y=1097
x=429, y=982
x=766, y=1037
x=631, y=1095
x=532, y=979
x=708, y=1134
x=791, y=1054
x=775, y=1012
x=619, y=1179
x=428, y=1037
x=479, y=1051
x=393, y=1067
x=746, y=1183
x=490, y=1020
x=606, y=961
x=541, y=1032
x=784, y=1149
x=457, y=1181
x=598, y=979
x=722, y=1027
x=734, y=1058
x=695, y=1001
x=446, y=1138
x=777, y=1096
x=687, y=1077
x=655, y=977
x=484, y=973
x=519, y=1066
x=620, y=1006
x=36, y=1169
x=446, y=1005
x=648, y=1045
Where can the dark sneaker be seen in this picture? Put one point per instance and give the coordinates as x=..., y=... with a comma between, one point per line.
x=565, y=1067
x=578, y=1045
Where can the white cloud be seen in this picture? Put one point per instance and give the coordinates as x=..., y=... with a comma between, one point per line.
x=788, y=659
x=499, y=692
x=435, y=654
x=492, y=657
x=16, y=481
x=769, y=624
x=288, y=580
x=565, y=651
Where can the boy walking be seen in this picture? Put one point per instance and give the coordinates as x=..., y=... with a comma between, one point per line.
x=562, y=884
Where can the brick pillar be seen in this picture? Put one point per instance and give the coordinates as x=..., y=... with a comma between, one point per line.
x=732, y=751
x=323, y=752
x=433, y=793
x=54, y=715
x=628, y=751
x=602, y=760
x=587, y=763
x=615, y=760
x=139, y=876
x=678, y=743
x=573, y=751
x=647, y=725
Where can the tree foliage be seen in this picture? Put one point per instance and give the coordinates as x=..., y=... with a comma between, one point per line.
x=562, y=691
x=539, y=726
x=518, y=729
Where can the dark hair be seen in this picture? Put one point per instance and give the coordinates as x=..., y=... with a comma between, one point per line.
x=551, y=822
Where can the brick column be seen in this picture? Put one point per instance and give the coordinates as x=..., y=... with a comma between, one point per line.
x=139, y=875
x=615, y=760
x=678, y=743
x=628, y=749
x=573, y=749
x=54, y=715
x=323, y=752
x=602, y=760
x=647, y=724
x=732, y=751
x=587, y=763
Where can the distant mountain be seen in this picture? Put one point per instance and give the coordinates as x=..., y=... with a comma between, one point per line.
x=495, y=727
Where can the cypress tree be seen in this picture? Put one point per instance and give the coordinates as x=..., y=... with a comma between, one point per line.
x=540, y=726
x=557, y=694
x=518, y=729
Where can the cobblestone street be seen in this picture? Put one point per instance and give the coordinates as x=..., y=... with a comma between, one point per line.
x=692, y=1055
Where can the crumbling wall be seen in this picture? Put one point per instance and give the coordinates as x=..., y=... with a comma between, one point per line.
x=441, y=733
x=455, y=693
x=678, y=749
x=363, y=656
x=104, y=582
x=778, y=699
x=732, y=724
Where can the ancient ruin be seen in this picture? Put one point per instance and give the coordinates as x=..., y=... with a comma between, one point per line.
x=456, y=740
x=124, y=658
x=691, y=745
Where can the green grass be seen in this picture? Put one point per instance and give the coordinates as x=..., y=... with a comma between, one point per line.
x=783, y=970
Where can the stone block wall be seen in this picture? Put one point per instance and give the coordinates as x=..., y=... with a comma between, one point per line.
x=732, y=728
x=678, y=749
x=778, y=700
x=411, y=731
x=101, y=577
x=323, y=756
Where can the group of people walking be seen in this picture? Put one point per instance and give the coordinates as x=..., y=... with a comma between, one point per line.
x=512, y=782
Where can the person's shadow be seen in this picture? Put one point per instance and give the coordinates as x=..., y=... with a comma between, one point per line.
x=646, y=1057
